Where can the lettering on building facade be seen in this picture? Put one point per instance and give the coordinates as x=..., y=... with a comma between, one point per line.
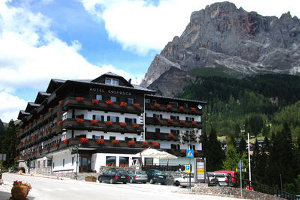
x=110, y=91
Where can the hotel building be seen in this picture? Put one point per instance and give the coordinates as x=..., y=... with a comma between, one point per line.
x=83, y=125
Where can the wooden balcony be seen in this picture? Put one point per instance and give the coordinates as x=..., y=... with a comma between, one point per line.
x=166, y=136
x=71, y=102
x=100, y=126
x=174, y=123
x=182, y=110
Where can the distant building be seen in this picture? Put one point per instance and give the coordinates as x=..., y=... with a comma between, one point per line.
x=102, y=122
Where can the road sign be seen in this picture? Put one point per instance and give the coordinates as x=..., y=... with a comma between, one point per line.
x=187, y=168
x=190, y=153
x=243, y=169
x=240, y=164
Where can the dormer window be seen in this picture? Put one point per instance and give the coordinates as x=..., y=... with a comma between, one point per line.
x=111, y=81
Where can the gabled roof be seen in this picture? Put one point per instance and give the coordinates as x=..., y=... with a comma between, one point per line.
x=112, y=75
x=54, y=84
x=30, y=106
x=40, y=97
x=22, y=114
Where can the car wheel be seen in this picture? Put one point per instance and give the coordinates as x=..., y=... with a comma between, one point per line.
x=124, y=182
x=151, y=181
x=111, y=181
x=144, y=182
x=177, y=183
x=100, y=180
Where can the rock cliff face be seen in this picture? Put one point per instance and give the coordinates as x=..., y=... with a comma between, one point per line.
x=223, y=35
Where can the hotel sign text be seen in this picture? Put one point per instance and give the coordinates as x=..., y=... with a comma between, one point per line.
x=110, y=91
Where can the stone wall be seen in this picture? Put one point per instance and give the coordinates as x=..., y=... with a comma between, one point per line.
x=231, y=192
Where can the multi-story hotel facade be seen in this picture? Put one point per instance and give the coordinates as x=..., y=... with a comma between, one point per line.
x=83, y=125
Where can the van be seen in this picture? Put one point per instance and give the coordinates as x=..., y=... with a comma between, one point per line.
x=234, y=177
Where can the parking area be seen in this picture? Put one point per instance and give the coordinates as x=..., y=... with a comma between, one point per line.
x=50, y=189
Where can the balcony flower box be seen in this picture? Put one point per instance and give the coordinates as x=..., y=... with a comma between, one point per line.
x=181, y=108
x=144, y=144
x=182, y=121
x=66, y=141
x=171, y=135
x=193, y=109
x=32, y=137
x=79, y=120
x=108, y=123
x=40, y=133
x=131, y=143
x=156, y=105
x=41, y=116
x=183, y=151
x=135, y=125
x=32, y=153
x=109, y=102
x=157, y=119
x=90, y=179
x=95, y=101
x=59, y=123
x=60, y=102
x=17, y=133
x=123, y=104
x=79, y=99
x=56, y=144
x=50, y=109
x=169, y=106
x=39, y=151
x=137, y=105
x=115, y=142
x=93, y=121
x=123, y=124
x=170, y=120
x=100, y=141
x=194, y=123
x=20, y=190
x=155, y=144
x=83, y=140
x=47, y=148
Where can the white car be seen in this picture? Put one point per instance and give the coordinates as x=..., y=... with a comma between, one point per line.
x=184, y=180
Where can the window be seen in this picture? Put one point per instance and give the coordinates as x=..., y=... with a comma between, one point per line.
x=147, y=100
x=80, y=116
x=53, y=165
x=148, y=161
x=111, y=138
x=130, y=101
x=44, y=163
x=97, y=117
x=111, y=81
x=99, y=97
x=174, y=117
x=192, y=147
x=175, y=146
x=157, y=116
x=63, y=162
x=113, y=99
x=130, y=120
x=186, y=105
x=38, y=164
x=113, y=118
x=175, y=132
x=157, y=130
x=189, y=119
x=111, y=161
x=123, y=161
x=73, y=158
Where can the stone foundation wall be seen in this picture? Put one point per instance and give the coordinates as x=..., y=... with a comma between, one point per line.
x=231, y=192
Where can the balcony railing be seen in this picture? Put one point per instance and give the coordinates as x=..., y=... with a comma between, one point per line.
x=72, y=102
x=175, y=123
x=168, y=108
x=167, y=136
x=101, y=126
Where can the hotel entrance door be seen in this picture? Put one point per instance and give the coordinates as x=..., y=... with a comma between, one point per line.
x=85, y=163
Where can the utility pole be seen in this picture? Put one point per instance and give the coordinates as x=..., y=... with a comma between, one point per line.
x=249, y=160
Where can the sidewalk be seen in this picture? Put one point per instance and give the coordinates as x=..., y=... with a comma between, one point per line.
x=5, y=189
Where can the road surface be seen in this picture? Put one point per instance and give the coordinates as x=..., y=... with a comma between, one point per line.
x=54, y=189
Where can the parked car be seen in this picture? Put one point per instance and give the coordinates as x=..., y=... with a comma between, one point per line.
x=183, y=180
x=156, y=176
x=217, y=178
x=234, y=177
x=114, y=176
x=137, y=176
x=17, y=169
x=211, y=179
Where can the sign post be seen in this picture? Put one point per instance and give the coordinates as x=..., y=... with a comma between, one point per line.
x=240, y=165
x=200, y=170
x=190, y=154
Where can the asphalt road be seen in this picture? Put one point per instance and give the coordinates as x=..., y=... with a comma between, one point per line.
x=54, y=189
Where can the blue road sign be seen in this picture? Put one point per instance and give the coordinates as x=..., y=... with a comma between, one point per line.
x=190, y=153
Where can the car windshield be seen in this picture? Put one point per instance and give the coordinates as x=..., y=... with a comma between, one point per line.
x=159, y=173
x=141, y=172
x=123, y=173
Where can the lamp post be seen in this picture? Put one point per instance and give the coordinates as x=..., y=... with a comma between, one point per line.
x=188, y=135
x=249, y=160
x=77, y=157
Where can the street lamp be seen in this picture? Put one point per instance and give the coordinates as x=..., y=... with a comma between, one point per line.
x=77, y=157
x=188, y=135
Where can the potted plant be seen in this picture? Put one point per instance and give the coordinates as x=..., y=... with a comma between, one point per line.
x=144, y=144
x=137, y=105
x=115, y=142
x=123, y=104
x=193, y=109
x=131, y=143
x=156, y=105
x=78, y=99
x=95, y=101
x=123, y=124
x=90, y=178
x=20, y=190
x=100, y=141
x=83, y=140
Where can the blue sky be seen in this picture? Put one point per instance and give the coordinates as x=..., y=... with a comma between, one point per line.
x=81, y=39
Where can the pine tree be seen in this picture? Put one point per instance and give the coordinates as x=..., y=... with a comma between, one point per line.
x=242, y=146
x=2, y=128
x=8, y=145
x=215, y=154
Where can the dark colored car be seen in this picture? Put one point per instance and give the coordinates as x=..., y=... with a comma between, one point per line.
x=156, y=176
x=138, y=176
x=114, y=176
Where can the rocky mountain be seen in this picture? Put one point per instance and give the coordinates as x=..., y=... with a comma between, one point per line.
x=222, y=35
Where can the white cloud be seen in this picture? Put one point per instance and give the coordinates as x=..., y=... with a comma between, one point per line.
x=31, y=54
x=141, y=26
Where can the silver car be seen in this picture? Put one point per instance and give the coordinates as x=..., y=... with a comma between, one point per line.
x=184, y=180
x=137, y=176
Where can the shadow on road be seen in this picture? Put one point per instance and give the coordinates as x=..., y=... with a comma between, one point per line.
x=4, y=195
